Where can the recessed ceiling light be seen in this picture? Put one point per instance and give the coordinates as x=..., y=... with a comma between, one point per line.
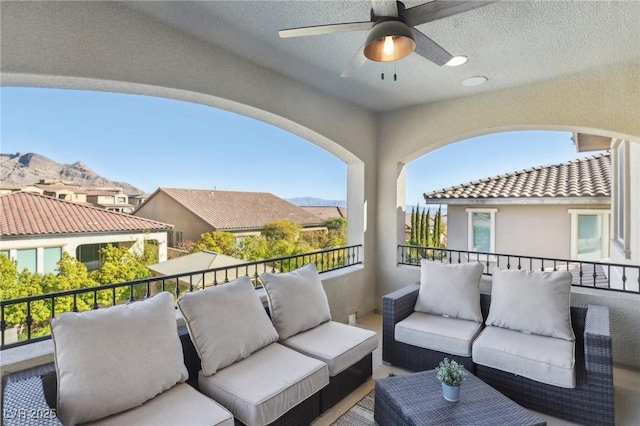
x=474, y=81
x=457, y=61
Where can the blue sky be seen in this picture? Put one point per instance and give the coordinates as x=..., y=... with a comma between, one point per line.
x=151, y=142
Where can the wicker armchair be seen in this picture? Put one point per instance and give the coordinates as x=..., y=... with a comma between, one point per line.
x=590, y=402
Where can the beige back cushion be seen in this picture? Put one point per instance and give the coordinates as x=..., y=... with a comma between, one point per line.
x=450, y=289
x=111, y=360
x=297, y=300
x=227, y=323
x=532, y=301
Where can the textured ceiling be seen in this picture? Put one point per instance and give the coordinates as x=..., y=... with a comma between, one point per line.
x=513, y=43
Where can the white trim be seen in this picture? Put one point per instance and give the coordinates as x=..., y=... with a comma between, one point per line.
x=522, y=201
x=605, y=214
x=492, y=230
x=622, y=241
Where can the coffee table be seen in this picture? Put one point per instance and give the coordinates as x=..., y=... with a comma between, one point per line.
x=416, y=399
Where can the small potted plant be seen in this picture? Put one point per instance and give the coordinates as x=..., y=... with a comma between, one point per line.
x=452, y=375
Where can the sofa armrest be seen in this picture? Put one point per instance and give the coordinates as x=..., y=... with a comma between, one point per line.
x=24, y=399
x=396, y=306
x=597, y=345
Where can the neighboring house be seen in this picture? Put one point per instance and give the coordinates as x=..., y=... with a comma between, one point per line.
x=62, y=190
x=196, y=211
x=36, y=229
x=8, y=188
x=201, y=261
x=137, y=199
x=112, y=199
x=327, y=212
x=557, y=211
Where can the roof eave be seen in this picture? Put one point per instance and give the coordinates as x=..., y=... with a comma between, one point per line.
x=522, y=200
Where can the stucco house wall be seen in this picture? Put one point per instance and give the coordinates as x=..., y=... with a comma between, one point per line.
x=532, y=230
x=162, y=207
x=70, y=243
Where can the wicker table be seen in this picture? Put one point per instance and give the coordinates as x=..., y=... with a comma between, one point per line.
x=416, y=399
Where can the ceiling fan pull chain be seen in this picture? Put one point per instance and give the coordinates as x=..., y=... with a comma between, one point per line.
x=395, y=76
x=382, y=76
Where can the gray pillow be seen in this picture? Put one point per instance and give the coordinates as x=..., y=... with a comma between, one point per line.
x=450, y=290
x=111, y=360
x=227, y=323
x=533, y=302
x=297, y=300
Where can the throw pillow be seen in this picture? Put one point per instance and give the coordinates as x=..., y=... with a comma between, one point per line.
x=532, y=301
x=450, y=290
x=226, y=323
x=297, y=300
x=111, y=360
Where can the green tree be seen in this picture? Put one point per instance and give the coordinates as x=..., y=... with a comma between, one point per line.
x=418, y=226
x=426, y=233
x=412, y=238
x=281, y=230
x=217, y=241
x=336, y=232
x=14, y=285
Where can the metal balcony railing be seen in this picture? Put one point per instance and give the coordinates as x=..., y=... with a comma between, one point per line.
x=599, y=275
x=29, y=317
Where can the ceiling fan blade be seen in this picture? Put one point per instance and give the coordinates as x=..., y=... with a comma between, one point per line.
x=429, y=49
x=439, y=9
x=385, y=8
x=326, y=29
x=356, y=62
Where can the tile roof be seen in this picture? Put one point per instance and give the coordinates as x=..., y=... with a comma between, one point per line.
x=227, y=210
x=25, y=213
x=326, y=212
x=583, y=177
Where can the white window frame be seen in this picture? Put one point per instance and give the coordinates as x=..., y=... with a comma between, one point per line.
x=605, y=229
x=621, y=197
x=492, y=231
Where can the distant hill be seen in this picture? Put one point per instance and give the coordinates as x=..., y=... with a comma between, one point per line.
x=27, y=169
x=312, y=201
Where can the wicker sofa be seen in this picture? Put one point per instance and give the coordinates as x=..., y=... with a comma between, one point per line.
x=590, y=402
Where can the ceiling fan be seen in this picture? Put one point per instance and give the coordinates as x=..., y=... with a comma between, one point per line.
x=392, y=35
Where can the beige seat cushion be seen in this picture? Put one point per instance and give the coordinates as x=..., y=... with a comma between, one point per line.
x=297, y=300
x=180, y=405
x=450, y=289
x=226, y=323
x=544, y=359
x=338, y=345
x=450, y=335
x=261, y=388
x=111, y=360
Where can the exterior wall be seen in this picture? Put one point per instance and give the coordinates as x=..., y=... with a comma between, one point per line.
x=514, y=225
x=69, y=244
x=165, y=209
x=617, y=253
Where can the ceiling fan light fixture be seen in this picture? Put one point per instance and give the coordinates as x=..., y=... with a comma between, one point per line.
x=389, y=41
x=456, y=61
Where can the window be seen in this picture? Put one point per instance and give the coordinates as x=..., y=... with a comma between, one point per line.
x=27, y=259
x=89, y=254
x=621, y=211
x=6, y=253
x=51, y=257
x=178, y=239
x=589, y=234
x=482, y=234
x=122, y=199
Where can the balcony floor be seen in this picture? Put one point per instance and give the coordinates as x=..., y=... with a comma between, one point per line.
x=626, y=384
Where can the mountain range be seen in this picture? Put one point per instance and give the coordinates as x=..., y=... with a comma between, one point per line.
x=312, y=201
x=28, y=169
